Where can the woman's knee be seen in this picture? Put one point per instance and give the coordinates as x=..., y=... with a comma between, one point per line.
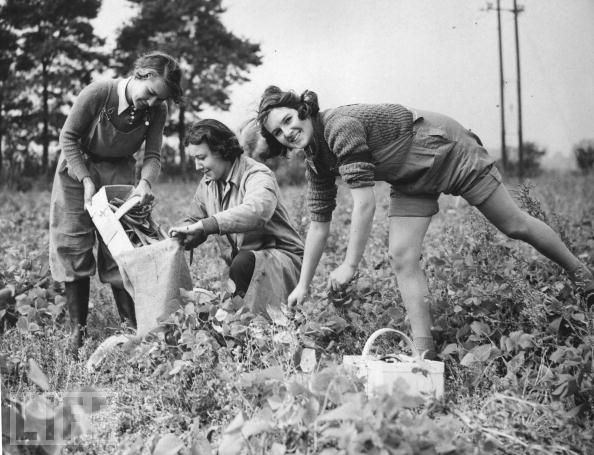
x=517, y=227
x=404, y=258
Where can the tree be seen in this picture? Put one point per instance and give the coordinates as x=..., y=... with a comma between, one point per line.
x=531, y=162
x=8, y=46
x=584, y=155
x=57, y=53
x=191, y=30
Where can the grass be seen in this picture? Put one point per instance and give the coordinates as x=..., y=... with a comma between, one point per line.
x=531, y=392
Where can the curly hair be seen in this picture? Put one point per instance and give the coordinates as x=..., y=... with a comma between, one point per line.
x=162, y=65
x=219, y=138
x=306, y=106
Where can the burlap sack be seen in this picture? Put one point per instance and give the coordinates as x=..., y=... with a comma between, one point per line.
x=153, y=275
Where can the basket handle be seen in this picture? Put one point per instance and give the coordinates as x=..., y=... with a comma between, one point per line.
x=377, y=333
x=126, y=206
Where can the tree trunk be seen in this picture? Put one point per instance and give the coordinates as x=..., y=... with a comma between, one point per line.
x=1, y=137
x=181, y=131
x=1, y=157
x=45, y=134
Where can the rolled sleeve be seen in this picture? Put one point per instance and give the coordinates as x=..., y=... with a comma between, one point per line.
x=257, y=207
x=321, y=195
x=358, y=175
x=347, y=138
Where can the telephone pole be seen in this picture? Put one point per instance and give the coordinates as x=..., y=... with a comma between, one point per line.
x=501, y=84
x=504, y=158
x=501, y=89
x=517, y=11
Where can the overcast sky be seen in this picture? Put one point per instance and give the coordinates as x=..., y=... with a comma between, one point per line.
x=438, y=55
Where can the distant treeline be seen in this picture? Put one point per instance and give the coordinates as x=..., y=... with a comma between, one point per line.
x=49, y=51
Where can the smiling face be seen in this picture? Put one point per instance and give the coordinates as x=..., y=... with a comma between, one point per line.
x=147, y=92
x=211, y=164
x=288, y=129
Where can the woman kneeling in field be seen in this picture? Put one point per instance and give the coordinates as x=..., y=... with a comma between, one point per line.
x=239, y=200
x=421, y=154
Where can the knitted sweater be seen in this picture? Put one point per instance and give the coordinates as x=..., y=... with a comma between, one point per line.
x=344, y=144
x=94, y=127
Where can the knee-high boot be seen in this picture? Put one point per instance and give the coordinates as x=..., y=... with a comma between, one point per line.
x=125, y=306
x=77, y=301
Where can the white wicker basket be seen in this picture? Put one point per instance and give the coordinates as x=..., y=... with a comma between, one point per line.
x=418, y=376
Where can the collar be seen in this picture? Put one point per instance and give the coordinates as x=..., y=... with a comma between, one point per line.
x=122, y=102
x=234, y=176
x=319, y=145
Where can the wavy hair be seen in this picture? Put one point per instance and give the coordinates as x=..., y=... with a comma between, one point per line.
x=163, y=65
x=305, y=104
x=219, y=138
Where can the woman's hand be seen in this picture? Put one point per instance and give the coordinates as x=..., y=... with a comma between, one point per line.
x=189, y=235
x=89, y=191
x=143, y=189
x=341, y=276
x=297, y=296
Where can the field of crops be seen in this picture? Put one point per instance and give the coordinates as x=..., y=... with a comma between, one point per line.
x=516, y=341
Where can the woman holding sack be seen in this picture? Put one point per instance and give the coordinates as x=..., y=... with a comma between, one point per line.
x=108, y=123
x=421, y=154
x=238, y=199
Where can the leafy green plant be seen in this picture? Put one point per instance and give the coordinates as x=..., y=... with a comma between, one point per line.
x=514, y=337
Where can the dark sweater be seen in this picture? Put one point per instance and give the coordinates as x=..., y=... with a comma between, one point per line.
x=345, y=140
x=97, y=104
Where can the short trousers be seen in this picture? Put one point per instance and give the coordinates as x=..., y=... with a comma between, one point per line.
x=455, y=162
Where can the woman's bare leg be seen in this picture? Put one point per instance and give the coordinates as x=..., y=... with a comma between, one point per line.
x=406, y=239
x=501, y=210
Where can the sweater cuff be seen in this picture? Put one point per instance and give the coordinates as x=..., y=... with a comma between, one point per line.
x=83, y=173
x=321, y=217
x=358, y=174
x=78, y=169
x=211, y=225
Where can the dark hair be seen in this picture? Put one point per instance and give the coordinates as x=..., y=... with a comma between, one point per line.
x=306, y=106
x=219, y=138
x=162, y=65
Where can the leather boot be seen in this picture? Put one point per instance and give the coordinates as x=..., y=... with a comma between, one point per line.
x=125, y=306
x=77, y=301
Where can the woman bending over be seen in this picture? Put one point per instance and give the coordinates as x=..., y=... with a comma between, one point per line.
x=421, y=155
